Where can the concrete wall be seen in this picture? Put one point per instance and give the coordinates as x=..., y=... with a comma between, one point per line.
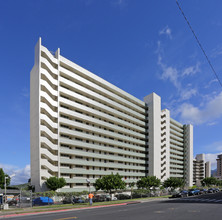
x=153, y=102
x=188, y=150
x=200, y=157
x=34, y=119
x=208, y=169
x=165, y=144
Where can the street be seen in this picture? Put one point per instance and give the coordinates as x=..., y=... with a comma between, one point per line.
x=199, y=208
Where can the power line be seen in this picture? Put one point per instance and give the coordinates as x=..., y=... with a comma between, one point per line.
x=208, y=60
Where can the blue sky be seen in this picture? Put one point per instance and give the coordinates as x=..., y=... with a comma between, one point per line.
x=140, y=46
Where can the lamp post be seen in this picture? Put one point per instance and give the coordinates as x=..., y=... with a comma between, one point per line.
x=88, y=184
x=6, y=177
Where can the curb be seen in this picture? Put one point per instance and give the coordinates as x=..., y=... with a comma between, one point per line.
x=131, y=203
x=60, y=210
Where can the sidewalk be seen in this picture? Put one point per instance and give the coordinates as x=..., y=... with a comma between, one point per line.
x=45, y=210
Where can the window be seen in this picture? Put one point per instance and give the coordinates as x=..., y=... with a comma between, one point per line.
x=79, y=184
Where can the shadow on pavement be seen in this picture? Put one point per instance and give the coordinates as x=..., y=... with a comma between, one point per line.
x=214, y=198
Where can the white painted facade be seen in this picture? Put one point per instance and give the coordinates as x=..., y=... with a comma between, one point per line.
x=208, y=169
x=82, y=126
x=219, y=166
x=201, y=169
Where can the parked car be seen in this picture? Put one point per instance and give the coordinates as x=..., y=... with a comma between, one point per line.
x=196, y=191
x=67, y=200
x=114, y=198
x=77, y=200
x=101, y=198
x=183, y=193
x=25, y=199
x=211, y=190
x=123, y=196
x=43, y=201
x=13, y=202
x=203, y=191
x=191, y=192
x=216, y=190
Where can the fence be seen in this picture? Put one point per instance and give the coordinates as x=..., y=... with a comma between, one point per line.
x=23, y=198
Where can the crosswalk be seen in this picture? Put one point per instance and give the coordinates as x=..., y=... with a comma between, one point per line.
x=207, y=200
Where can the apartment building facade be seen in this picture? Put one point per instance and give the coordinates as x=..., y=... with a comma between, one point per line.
x=83, y=127
x=201, y=169
x=219, y=166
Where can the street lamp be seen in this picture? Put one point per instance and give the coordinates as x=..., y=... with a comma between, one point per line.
x=88, y=184
x=6, y=177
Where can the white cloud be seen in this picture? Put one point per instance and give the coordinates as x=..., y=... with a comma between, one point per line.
x=21, y=174
x=121, y=3
x=212, y=123
x=211, y=82
x=191, y=70
x=211, y=111
x=187, y=93
x=215, y=146
x=166, y=31
x=175, y=75
x=170, y=73
x=216, y=51
x=25, y=92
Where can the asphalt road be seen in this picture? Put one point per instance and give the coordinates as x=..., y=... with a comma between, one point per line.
x=197, y=208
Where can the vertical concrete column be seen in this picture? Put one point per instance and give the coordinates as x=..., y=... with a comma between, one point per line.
x=166, y=138
x=208, y=169
x=57, y=56
x=153, y=102
x=35, y=119
x=188, y=154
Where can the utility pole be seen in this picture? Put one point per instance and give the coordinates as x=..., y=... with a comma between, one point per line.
x=88, y=184
x=5, y=190
x=31, y=197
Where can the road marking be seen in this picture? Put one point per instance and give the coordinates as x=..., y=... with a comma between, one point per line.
x=66, y=218
x=171, y=208
x=158, y=212
x=193, y=211
x=123, y=210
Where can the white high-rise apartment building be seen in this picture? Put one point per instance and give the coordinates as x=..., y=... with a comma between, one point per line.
x=82, y=126
x=201, y=169
x=219, y=166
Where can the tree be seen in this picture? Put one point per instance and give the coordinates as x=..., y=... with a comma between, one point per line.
x=173, y=182
x=148, y=182
x=110, y=183
x=219, y=182
x=131, y=185
x=209, y=181
x=54, y=183
x=2, y=179
x=30, y=187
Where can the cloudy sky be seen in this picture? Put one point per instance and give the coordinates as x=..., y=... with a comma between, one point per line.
x=140, y=46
